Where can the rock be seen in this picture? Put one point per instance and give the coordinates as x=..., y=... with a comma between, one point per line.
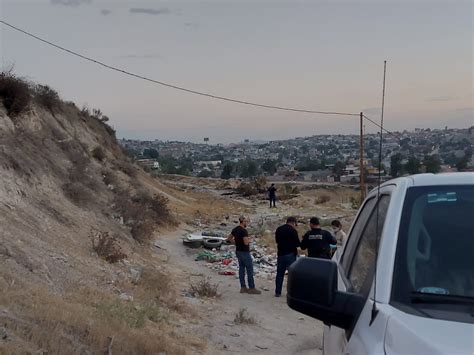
x=3, y=333
x=125, y=297
x=135, y=275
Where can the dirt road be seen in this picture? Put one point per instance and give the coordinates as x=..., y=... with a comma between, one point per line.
x=279, y=330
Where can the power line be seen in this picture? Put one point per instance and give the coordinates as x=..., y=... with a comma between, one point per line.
x=195, y=92
x=243, y=102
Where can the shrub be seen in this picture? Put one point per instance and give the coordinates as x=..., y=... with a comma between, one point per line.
x=109, y=178
x=47, y=97
x=98, y=153
x=127, y=168
x=204, y=288
x=142, y=231
x=15, y=92
x=247, y=189
x=107, y=247
x=242, y=317
x=322, y=199
x=77, y=193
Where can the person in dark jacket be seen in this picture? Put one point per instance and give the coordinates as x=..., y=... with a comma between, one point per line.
x=272, y=195
x=318, y=241
x=286, y=237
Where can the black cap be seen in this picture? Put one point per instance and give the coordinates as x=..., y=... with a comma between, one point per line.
x=314, y=221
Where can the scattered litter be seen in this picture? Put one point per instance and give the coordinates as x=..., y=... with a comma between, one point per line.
x=235, y=335
x=261, y=347
x=227, y=273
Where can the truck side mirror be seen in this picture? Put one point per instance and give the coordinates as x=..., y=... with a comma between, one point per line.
x=312, y=290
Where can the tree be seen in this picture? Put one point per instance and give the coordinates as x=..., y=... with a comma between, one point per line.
x=338, y=168
x=396, y=168
x=248, y=168
x=461, y=164
x=205, y=173
x=150, y=153
x=227, y=171
x=432, y=164
x=269, y=166
x=412, y=166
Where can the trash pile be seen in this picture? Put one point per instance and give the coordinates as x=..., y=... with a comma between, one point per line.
x=224, y=261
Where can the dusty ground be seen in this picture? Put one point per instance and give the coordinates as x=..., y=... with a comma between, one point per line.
x=279, y=330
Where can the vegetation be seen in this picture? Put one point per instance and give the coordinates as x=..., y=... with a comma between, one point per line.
x=204, y=288
x=107, y=247
x=15, y=93
x=243, y=317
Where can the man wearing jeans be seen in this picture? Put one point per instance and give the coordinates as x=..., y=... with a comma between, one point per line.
x=242, y=241
x=286, y=237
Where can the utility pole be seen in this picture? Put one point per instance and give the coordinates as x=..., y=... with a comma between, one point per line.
x=361, y=159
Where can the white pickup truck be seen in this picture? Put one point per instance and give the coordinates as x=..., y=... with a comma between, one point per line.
x=419, y=299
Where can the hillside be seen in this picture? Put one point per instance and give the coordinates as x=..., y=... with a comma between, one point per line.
x=78, y=269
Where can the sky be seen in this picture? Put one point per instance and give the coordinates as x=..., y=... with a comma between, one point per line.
x=316, y=55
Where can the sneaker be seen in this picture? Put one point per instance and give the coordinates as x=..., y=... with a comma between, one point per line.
x=244, y=290
x=254, y=291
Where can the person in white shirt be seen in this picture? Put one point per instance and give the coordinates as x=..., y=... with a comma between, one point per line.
x=338, y=233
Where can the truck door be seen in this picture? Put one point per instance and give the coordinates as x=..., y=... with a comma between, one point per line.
x=356, y=271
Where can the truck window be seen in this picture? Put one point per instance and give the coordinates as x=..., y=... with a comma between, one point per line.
x=434, y=260
x=355, y=233
x=364, y=257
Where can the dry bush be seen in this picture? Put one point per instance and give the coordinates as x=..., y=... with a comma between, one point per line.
x=247, y=189
x=242, y=317
x=322, y=199
x=15, y=93
x=109, y=178
x=47, y=97
x=142, y=231
x=98, y=153
x=107, y=247
x=127, y=168
x=204, y=288
x=78, y=193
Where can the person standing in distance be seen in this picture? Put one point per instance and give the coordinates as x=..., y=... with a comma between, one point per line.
x=318, y=241
x=240, y=237
x=272, y=195
x=286, y=237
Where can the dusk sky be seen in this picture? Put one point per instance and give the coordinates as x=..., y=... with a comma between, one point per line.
x=318, y=55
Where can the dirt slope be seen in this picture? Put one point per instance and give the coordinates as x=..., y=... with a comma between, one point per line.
x=56, y=187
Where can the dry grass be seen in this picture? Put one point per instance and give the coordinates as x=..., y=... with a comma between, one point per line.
x=98, y=153
x=322, y=199
x=85, y=322
x=204, y=288
x=107, y=247
x=243, y=317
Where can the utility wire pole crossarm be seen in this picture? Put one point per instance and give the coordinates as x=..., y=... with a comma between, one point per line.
x=361, y=159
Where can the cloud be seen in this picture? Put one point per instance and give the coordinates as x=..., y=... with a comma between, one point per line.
x=148, y=11
x=73, y=3
x=105, y=12
x=442, y=98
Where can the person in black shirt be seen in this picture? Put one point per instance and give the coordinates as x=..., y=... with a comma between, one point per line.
x=272, y=195
x=242, y=240
x=286, y=237
x=318, y=241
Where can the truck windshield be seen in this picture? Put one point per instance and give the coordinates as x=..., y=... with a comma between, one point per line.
x=434, y=262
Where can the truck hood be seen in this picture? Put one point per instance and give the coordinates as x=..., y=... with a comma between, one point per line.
x=410, y=334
